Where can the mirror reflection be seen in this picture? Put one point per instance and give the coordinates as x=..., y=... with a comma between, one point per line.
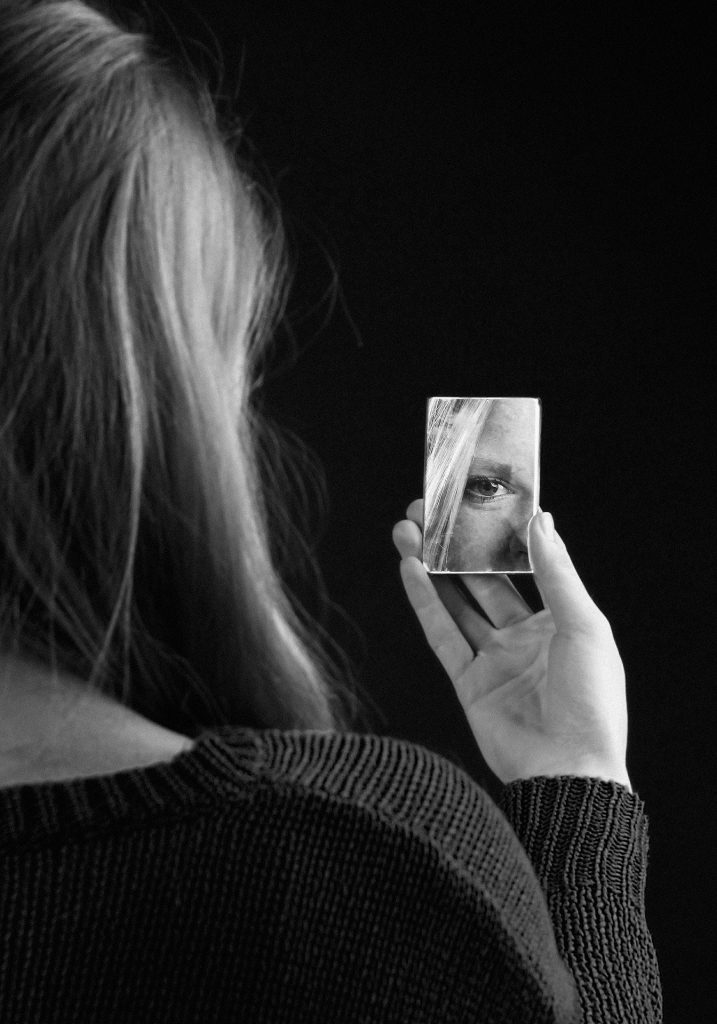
x=480, y=483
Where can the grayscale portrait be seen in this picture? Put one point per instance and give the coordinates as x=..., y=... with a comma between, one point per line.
x=481, y=483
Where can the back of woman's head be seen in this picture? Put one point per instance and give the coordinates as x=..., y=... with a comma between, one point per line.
x=140, y=275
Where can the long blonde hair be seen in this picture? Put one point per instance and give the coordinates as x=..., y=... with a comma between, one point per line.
x=453, y=428
x=142, y=519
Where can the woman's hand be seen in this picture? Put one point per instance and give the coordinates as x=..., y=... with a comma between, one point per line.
x=544, y=693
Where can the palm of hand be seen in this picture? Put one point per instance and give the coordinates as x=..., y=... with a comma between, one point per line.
x=525, y=702
x=540, y=700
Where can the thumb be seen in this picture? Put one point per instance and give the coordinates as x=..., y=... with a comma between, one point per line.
x=562, y=590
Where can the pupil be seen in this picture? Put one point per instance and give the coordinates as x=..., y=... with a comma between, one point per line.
x=487, y=486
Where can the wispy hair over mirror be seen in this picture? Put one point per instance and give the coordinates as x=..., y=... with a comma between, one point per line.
x=454, y=426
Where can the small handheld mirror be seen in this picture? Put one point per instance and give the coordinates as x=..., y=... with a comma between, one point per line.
x=481, y=483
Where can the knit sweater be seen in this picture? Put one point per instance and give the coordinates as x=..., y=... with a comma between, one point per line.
x=305, y=876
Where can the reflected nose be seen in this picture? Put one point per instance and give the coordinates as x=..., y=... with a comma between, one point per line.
x=518, y=545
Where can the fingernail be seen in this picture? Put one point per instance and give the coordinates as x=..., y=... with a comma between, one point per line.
x=547, y=525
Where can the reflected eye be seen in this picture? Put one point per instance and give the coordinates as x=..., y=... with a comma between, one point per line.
x=482, y=489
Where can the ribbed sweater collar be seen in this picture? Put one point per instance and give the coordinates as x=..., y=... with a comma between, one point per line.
x=216, y=768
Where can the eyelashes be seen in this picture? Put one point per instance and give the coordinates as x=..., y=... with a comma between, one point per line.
x=485, y=489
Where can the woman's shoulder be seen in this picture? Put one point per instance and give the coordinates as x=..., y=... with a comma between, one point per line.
x=395, y=785
x=374, y=856
x=548, y=831
x=392, y=780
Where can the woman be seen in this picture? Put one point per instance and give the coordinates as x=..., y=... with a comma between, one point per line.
x=481, y=464
x=191, y=830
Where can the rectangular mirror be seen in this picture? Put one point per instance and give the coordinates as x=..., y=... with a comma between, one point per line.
x=481, y=483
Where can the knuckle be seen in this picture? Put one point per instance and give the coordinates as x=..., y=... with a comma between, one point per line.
x=602, y=623
x=440, y=644
x=594, y=627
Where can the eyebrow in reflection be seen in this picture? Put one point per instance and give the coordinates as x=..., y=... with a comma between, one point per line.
x=489, y=466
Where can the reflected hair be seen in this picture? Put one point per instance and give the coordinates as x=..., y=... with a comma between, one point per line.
x=142, y=488
x=453, y=429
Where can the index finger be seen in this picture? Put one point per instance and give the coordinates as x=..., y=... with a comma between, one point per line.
x=443, y=635
x=415, y=512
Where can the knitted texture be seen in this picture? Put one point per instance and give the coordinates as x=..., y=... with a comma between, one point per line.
x=303, y=876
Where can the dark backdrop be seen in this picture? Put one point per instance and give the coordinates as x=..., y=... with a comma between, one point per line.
x=513, y=201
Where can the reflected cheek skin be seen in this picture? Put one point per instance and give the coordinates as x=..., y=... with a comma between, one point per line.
x=515, y=511
x=486, y=526
x=480, y=533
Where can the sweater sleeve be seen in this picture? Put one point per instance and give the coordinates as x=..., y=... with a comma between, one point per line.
x=587, y=839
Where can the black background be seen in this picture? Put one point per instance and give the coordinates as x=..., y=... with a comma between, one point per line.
x=514, y=201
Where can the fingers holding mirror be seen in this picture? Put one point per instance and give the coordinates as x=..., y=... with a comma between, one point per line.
x=415, y=512
x=407, y=539
x=497, y=596
x=426, y=593
x=453, y=629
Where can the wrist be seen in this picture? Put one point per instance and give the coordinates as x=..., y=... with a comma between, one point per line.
x=586, y=770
